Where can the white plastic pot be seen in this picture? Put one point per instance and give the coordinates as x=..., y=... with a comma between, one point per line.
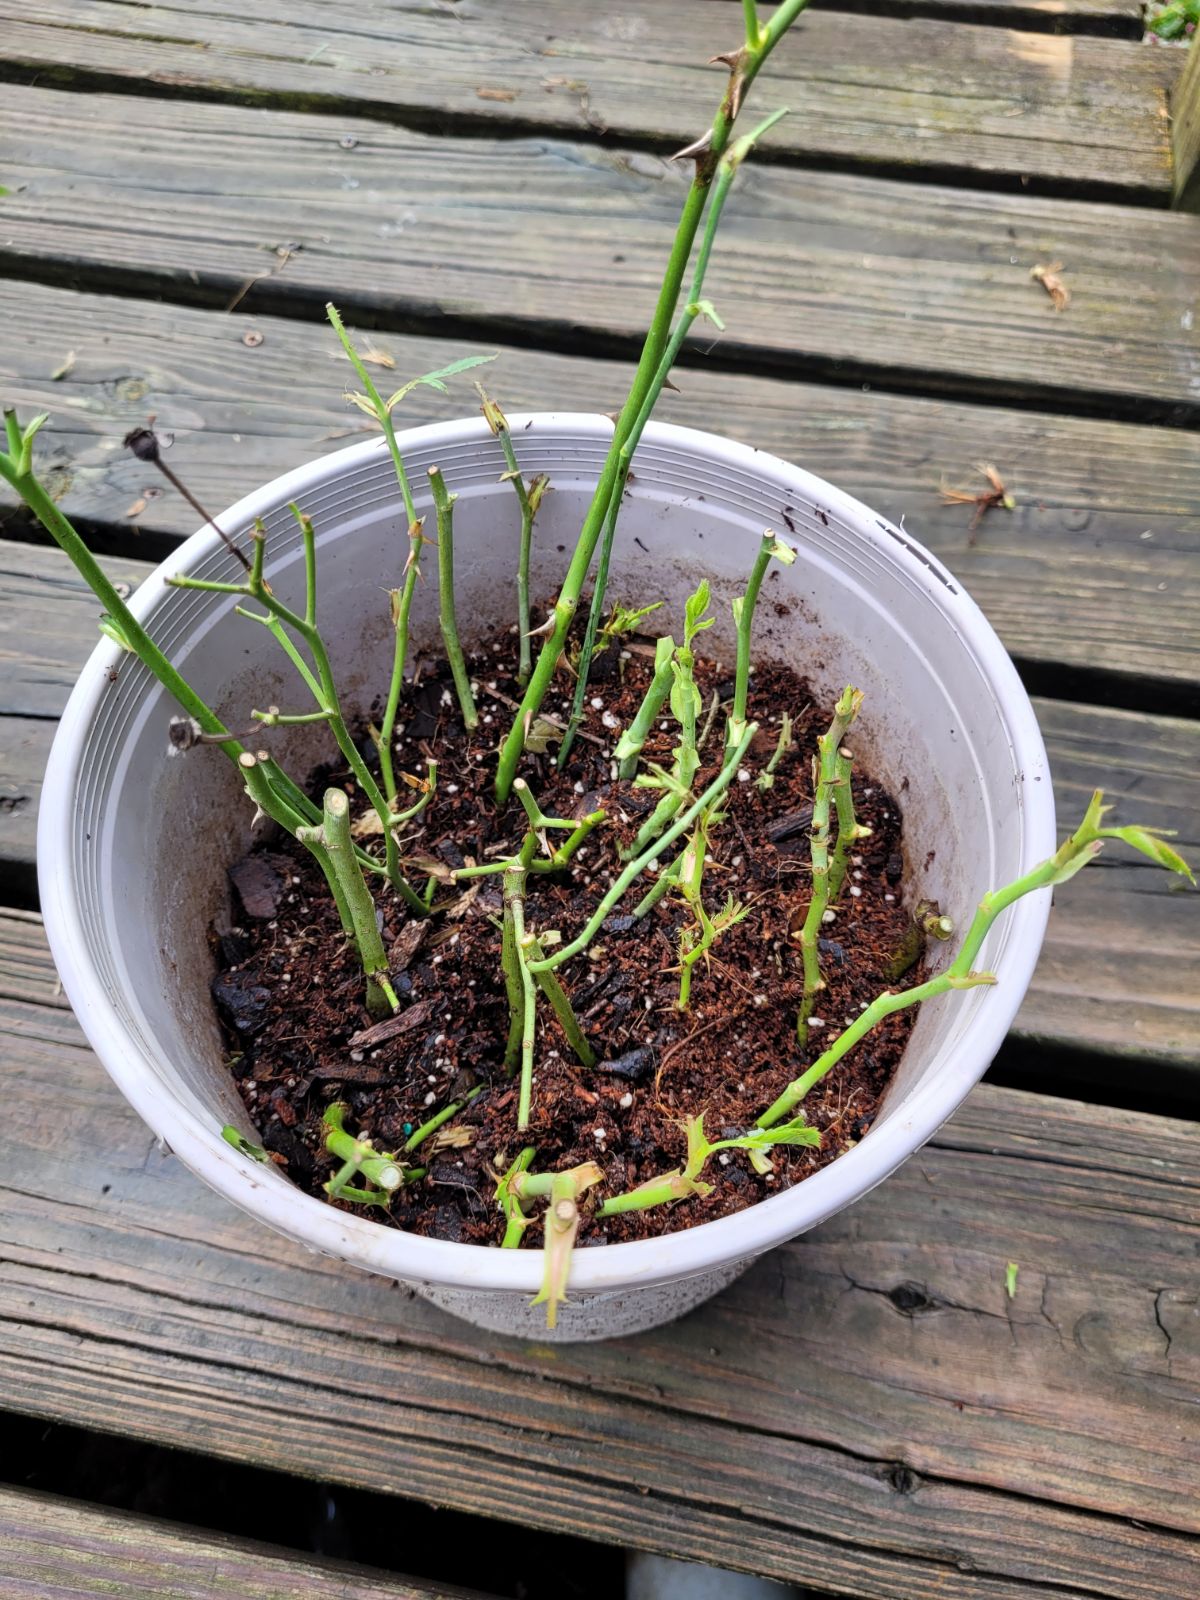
x=133, y=847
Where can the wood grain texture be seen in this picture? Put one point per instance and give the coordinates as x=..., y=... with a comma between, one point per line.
x=62, y=1548
x=1096, y=571
x=1117, y=972
x=1185, y=135
x=544, y=242
x=24, y=751
x=903, y=95
x=866, y=1411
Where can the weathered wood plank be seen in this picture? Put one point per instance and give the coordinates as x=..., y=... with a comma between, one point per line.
x=901, y=95
x=51, y=1546
x=1185, y=134
x=1049, y=1442
x=1117, y=972
x=815, y=273
x=1095, y=572
x=1118, y=19
x=24, y=751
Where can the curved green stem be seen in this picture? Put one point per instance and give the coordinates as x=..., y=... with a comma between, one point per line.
x=635, y=868
x=1071, y=857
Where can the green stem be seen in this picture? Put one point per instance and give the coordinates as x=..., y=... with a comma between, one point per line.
x=849, y=831
x=437, y=1121
x=828, y=746
x=726, y=172
x=743, y=616
x=635, y=868
x=1073, y=854
x=766, y=777
x=69, y=541
x=632, y=742
x=336, y=839
x=532, y=952
x=383, y=414
x=748, y=62
x=666, y=878
x=280, y=719
x=514, y=985
x=516, y=903
x=401, y=601
x=444, y=502
x=510, y=1203
x=359, y=1155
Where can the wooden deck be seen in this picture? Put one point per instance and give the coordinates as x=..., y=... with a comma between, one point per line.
x=867, y=1413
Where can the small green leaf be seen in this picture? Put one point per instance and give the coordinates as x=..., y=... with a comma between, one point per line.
x=111, y=629
x=623, y=620
x=696, y=606
x=1010, y=1280
x=796, y=1132
x=433, y=380
x=242, y=1145
x=1151, y=843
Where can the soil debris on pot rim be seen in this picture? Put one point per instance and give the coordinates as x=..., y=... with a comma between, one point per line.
x=290, y=994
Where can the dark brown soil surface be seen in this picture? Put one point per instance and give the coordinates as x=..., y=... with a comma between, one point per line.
x=297, y=994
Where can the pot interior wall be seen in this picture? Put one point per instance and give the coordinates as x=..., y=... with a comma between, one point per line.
x=154, y=835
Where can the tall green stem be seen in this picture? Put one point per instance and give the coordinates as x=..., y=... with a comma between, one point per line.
x=746, y=63
x=529, y=499
x=528, y=1016
x=443, y=501
x=726, y=172
x=828, y=746
x=850, y=831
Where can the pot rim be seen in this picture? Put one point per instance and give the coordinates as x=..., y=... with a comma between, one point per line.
x=394, y=1253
